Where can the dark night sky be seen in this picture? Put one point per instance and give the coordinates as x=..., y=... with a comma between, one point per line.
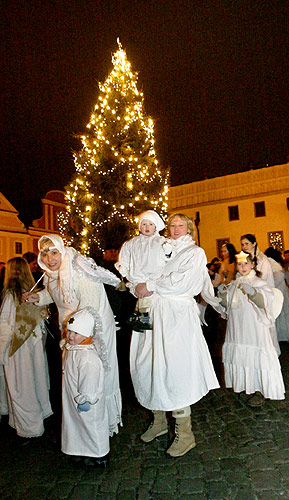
x=214, y=76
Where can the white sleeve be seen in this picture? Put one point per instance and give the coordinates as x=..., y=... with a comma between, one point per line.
x=90, y=380
x=123, y=263
x=44, y=298
x=7, y=322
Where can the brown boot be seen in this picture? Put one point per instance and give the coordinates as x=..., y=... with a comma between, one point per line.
x=158, y=427
x=184, y=440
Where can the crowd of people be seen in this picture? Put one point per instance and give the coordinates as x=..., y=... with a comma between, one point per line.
x=177, y=298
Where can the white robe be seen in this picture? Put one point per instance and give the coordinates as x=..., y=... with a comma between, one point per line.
x=26, y=378
x=83, y=433
x=92, y=294
x=282, y=321
x=171, y=366
x=249, y=357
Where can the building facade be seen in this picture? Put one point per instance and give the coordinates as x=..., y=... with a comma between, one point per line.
x=15, y=238
x=224, y=208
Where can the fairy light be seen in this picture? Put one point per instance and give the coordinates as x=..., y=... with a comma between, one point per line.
x=117, y=174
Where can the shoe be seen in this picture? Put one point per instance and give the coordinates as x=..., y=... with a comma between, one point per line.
x=256, y=400
x=184, y=440
x=89, y=461
x=157, y=428
x=100, y=462
x=76, y=459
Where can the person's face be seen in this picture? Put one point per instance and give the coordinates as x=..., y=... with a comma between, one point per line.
x=51, y=258
x=74, y=338
x=286, y=257
x=178, y=227
x=247, y=246
x=224, y=252
x=147, y=227
x=244, y=268
x=33, y=266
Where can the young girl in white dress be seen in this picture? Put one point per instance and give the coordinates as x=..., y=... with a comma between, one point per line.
x=22, y=355
x=250, y=359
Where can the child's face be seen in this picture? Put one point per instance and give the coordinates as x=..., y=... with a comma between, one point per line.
x=147, y=227
x=74, y=338
x=244, y=268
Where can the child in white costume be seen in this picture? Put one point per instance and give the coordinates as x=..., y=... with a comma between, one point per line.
x=22, y=355
x=143, y=258
x=249, y=357
x=85, y=429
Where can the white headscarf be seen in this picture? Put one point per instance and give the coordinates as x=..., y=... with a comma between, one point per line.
x=74, y=261
x=153, y=217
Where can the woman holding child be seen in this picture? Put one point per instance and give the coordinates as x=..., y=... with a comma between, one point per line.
x=171, y=366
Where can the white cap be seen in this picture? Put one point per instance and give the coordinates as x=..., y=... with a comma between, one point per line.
x=153, y=217
x=81, y=322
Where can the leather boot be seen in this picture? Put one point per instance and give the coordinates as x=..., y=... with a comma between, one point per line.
x=184, y=439
x=158, y=427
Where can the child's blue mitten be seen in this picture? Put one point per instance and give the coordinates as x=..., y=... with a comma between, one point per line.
x=83, y=407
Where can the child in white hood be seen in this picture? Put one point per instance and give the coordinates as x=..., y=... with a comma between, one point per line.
x=140, y=259
x=85, y=429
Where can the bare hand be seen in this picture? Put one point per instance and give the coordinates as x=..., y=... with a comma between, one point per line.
x=29, y=297
x=142, y=291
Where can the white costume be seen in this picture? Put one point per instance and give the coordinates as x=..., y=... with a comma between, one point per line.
x=249, y=357
x=78, y=284
x=282, y=321
x=143, y=257
x=83, y=433
x=25, y=375
x=264, y=266
x=171, y=366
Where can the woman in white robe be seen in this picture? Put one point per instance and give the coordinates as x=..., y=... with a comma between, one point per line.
x=249, y=357
x=277, y=265
x=171, y=366
x=22, y=356
x=75, y=282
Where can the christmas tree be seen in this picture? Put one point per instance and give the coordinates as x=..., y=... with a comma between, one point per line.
x=117, y=174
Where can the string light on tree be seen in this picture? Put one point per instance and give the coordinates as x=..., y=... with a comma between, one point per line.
x=117, y=173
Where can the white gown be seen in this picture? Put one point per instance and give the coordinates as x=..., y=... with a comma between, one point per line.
x=171, y=366
x=92, y=294
x=282, y=321
x=249, y=357
x=26, y=378
x=83, y=433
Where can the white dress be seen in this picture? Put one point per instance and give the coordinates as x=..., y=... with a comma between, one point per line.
x=249, y=357
x=25, y=374
x=282, y=321
x=91, y=294
x=83, y=433
x=171, y=366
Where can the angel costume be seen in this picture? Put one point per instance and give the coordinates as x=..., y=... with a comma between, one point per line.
x=282, y=322
x=143, y=257
x=78, y=284
x=83, y=433
x=171, y=366
x=249, y=357
x=24, y=367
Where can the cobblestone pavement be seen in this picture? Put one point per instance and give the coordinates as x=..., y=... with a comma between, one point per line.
x=241, y=454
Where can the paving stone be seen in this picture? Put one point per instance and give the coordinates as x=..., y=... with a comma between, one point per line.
x=280, y=456
x=191, y=486
x=264, y=480
x=218, y=490
x=61, y=490
x=127, y=494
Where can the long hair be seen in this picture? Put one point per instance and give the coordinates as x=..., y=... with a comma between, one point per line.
x=185, y=218
x=18, y=277
x=232, y=251
x=250, y=237
x=275, y=254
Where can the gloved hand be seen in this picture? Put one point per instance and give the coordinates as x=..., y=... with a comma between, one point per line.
x=83, y=407
x=222, y=289
x=248, y=289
